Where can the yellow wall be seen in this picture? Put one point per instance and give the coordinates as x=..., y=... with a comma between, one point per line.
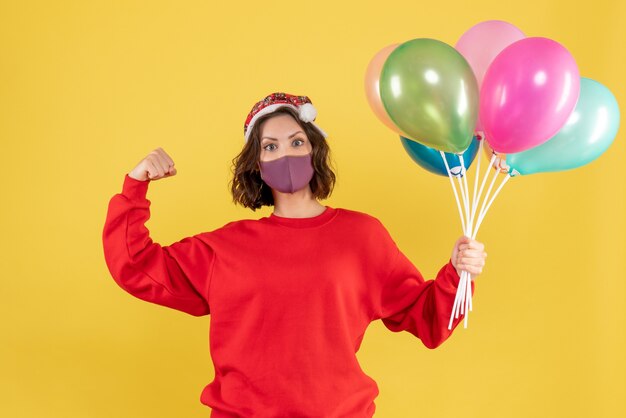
x=88, y=88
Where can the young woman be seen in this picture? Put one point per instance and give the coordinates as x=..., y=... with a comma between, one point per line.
x=290, y=295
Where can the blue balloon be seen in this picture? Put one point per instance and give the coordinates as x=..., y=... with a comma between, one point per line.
x=587, y=134
x=430, y=158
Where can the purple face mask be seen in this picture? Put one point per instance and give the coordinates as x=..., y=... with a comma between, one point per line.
x=289, y=173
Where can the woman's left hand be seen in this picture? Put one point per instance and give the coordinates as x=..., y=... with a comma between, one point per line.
x=468, y=255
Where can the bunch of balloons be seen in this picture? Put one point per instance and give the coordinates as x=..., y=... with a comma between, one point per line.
x=520, y=98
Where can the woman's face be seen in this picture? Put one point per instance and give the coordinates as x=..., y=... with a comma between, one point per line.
x=281, y=135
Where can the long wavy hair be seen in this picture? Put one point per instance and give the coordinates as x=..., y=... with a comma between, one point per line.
x=247, y=186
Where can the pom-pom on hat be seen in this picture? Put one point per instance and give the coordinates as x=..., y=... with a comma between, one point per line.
x=269, y=104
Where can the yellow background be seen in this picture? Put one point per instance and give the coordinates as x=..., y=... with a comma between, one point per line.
x=88, y=88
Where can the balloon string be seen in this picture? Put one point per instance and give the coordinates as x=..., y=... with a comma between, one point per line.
x=474, y=204
x=482, y=186
x=484, y=213
x=456, y=196
x=481, y=139
x=461, y=302
x=480, y=148
x=474, y=230
x=480, y=219
x=487, y=195
x=468, y=224
x=465, y=275
x=459, y=292
x=459, y=296
x=467, y=305
x=463, y=298
x=456, y=305
x=464, y=198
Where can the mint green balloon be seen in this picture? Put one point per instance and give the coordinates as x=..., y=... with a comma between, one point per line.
x=430, y=92
x=589, y=131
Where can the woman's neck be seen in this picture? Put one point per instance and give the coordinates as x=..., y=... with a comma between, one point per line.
x=300, y=204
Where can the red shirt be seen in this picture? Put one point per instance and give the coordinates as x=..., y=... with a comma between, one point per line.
x=289, y=302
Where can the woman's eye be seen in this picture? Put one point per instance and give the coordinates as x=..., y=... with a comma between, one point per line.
x=296, y=142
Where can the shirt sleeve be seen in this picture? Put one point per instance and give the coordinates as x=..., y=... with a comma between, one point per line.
x=176, y=276
x=422, y=307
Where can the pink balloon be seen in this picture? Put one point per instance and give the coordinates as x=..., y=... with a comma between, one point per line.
x=481, y=43
x=528, y=93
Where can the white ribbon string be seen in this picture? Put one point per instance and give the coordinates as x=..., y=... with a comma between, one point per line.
x=463, y=298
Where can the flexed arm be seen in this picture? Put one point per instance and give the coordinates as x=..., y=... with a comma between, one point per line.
x=177, y=275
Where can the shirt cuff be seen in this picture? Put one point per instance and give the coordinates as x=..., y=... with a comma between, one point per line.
x=134, y=189
x=448, y=279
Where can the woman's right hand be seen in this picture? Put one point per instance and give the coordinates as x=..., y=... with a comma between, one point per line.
x=155, y=166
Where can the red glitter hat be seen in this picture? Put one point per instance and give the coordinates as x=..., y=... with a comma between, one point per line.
x=269, y=104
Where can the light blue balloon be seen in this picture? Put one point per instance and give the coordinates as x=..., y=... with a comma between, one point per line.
x=430, y=158
x=589, y=131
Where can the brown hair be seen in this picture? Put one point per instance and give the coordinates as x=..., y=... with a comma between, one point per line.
x=247, y=186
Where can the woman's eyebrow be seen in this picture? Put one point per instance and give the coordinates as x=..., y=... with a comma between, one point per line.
x=292, y=135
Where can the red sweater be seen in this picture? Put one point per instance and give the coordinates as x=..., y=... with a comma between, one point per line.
x=289, y=302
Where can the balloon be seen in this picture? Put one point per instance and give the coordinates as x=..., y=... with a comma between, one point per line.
x=481, y=43
x=372, y=89
x=430, y=92
x=528, y=93
x=587, y=134
x=430, y=158
x=499, y=163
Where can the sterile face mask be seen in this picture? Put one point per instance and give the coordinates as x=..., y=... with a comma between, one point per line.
x=289, y=173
